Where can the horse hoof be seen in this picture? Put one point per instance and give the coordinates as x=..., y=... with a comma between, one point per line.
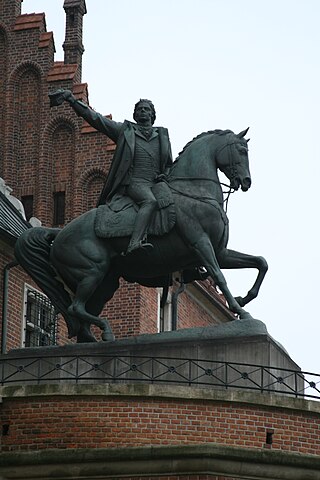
x=240, y=301
x=108, y=337
x=245, y=316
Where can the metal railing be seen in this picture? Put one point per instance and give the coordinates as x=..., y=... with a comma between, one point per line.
x=100, y=368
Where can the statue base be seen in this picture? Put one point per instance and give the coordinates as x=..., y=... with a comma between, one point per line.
x=239, y=354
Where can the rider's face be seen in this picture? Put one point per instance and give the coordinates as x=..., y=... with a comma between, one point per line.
x=143, y=114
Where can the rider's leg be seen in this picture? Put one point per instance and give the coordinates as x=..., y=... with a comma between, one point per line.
x=143, y=196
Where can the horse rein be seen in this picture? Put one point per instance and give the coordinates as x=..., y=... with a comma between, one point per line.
x=233, y=174
x=202, y=199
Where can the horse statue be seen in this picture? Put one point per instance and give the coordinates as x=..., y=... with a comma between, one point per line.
x=80, y=271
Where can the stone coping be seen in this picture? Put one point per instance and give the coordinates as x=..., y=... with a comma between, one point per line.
x=226, y=331
x=234, y=331
x=160, y=391
x=111, y=463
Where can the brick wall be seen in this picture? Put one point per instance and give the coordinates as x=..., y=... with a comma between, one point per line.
x=16, y=279
x=3, y=78
x=190, y=314
x=102, y=422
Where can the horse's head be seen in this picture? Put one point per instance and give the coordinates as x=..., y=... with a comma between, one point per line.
x=232, y=160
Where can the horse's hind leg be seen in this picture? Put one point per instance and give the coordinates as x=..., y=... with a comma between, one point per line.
x=86, y=286
x=103, y=293
x=88, y=274
x=231, y=259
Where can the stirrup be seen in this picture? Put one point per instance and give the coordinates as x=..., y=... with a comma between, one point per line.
x=137, y=246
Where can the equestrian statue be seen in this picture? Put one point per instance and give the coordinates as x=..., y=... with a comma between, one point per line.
x=154, y=217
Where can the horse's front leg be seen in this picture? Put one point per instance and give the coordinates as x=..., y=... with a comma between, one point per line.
x=206, y=254
x=232, y=259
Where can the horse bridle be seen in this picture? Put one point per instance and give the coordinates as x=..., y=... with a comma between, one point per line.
x=233, y=173
x=232, y=164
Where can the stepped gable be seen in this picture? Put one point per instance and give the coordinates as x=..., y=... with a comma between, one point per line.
x=36, y=21
x=31, y=20
x=86, y=128
x=80, y=91
x=45, y=40
x=60, y=71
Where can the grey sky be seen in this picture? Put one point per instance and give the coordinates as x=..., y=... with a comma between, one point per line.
x=229, y=64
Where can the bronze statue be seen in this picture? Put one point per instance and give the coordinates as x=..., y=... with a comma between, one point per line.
x=142, y=157
x=85, y=256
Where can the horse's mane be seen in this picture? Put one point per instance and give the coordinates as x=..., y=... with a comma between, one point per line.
x=203, y=134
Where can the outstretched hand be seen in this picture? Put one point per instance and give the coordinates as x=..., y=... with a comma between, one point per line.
x=59, y=96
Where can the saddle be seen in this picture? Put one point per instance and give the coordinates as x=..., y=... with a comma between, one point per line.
x=117, y=218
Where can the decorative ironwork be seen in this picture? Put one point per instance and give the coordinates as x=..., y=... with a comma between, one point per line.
x=139, y=369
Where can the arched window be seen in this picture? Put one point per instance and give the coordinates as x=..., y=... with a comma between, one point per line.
x=27, y=127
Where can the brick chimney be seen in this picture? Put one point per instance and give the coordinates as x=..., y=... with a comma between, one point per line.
x=73, y=46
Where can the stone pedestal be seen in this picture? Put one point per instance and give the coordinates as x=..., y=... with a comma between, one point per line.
x=237, y=355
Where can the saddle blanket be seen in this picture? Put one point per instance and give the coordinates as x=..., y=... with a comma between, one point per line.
x=117, y=218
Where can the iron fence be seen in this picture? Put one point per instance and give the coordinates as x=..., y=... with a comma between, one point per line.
x=100, y=368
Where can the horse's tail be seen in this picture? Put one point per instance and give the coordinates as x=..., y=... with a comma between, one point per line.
x=32, y=250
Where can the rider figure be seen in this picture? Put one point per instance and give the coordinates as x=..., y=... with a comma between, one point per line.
x=142, y=157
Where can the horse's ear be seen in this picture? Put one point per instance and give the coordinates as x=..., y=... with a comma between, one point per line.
x=243, y=133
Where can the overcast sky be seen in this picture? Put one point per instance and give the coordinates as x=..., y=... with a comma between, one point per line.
x=210, y=64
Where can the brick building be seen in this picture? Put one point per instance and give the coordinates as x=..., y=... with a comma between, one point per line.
x=77, y=413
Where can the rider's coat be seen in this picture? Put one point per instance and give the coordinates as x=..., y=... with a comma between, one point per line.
x=124, y=135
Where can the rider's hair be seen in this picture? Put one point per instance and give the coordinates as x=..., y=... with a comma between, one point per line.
x=144, y=100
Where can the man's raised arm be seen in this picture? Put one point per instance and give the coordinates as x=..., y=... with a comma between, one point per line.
x=96, y=120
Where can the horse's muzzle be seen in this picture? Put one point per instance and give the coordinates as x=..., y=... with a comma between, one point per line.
x=245, y=184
